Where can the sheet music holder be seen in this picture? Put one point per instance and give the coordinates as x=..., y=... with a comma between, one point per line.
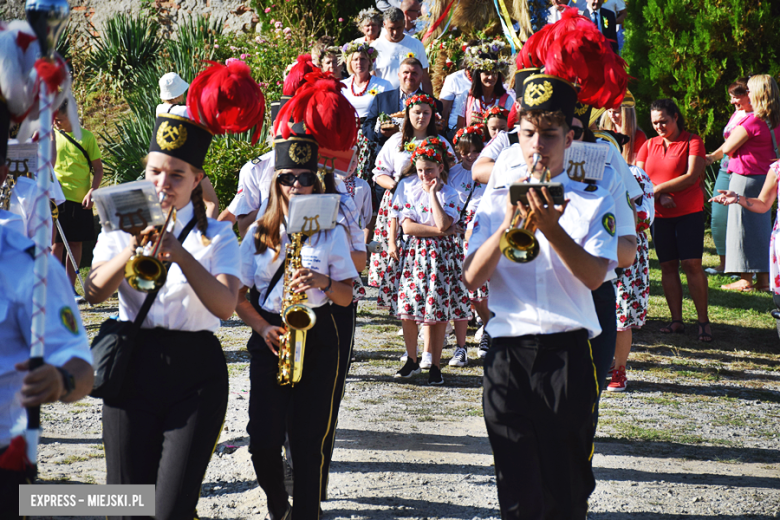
x=130, y=207
x=312, y=213
x=586, y=160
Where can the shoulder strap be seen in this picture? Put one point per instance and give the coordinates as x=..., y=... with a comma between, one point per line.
x=469, y=104
x=144, y=310
x=774, y=139
x=513, y=138
x=81, y=148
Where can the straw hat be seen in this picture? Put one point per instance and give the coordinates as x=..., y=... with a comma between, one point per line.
x=172, y=86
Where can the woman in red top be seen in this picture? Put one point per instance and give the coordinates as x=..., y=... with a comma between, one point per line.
x=623, y=121
x=675, y=162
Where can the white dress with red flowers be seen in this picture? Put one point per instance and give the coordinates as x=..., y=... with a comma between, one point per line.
x=632, y=287
x=390, y=161
x=430, y=287
x=774, y=244
x=470, y=192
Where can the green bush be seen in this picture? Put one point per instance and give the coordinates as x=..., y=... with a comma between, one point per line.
x=313, y=18
x=691, y=50
x=125, y=47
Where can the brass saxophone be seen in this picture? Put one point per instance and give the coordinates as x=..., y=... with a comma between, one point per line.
x=296, y=316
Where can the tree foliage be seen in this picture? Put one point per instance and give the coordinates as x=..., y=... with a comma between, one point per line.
x=691, y=50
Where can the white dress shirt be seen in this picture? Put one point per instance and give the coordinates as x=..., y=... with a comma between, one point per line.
x=543, y=296
x=326, y=252
x=176, y=307
x=361, y=195
x=65, y=337
x=391, y=54
x=254, y=184
x=375, y=86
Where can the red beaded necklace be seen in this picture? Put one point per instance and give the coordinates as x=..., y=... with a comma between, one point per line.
x=358, y=94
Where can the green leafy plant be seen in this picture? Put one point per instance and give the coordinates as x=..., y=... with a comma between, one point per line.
x=125, y=47
x=691, y=50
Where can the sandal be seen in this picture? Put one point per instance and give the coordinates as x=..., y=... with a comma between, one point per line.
x=706, y=337
x=669, y=329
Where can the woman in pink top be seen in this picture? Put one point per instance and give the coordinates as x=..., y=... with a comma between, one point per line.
x=752, y=150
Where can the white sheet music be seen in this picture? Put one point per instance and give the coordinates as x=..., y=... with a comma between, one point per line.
x=586, y=160
x=127, y=205
x=312, y=213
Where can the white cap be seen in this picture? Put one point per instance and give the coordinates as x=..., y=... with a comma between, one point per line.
x=172, y=86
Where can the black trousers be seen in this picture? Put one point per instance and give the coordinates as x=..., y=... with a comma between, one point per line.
x=306, y=407
x=346, y=318
x=9, y=490
x=537, y=399
x=164, y=428
x=603, y=345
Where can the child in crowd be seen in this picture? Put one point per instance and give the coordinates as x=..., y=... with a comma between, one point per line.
x=495, y=121
x=430, y=288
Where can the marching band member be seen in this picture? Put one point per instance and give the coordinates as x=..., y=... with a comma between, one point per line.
x=163, y=427
x=66, y=375
x=326, y=276
x=539, y=382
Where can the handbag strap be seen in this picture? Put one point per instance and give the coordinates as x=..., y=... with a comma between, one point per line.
x=81, y=148
x=774, y=139
x=144, y=310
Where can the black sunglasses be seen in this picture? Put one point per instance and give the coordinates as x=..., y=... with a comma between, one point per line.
x=578, y=131
x=304, y=179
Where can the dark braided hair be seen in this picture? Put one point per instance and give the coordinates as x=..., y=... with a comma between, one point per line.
x=199, y=208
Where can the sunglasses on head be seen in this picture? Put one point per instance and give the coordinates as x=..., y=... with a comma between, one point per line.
x=578, y=131
x=304, y=179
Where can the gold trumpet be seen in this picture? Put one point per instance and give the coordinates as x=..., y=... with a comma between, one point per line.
x=518, y=243
x=147, y=273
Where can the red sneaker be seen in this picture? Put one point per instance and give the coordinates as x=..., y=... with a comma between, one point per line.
x=619, y=380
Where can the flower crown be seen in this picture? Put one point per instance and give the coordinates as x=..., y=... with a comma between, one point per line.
x=478, y=57
x=430, y=149
x=478, y=129
x=334, y=49
x=496, y=111
x=368, y=14
x=421, y=99
x=353, y=47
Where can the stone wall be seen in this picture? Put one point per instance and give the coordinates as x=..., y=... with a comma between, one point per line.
x=236, y=14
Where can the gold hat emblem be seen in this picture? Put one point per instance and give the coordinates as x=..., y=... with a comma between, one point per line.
x=300, y=153
x=536, y=94
x=171, y=137
x=580, y=109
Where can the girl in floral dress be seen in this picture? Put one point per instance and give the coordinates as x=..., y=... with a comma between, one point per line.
x=632, y=287
x=468, y=142
x=430, y=290
x=419, y=122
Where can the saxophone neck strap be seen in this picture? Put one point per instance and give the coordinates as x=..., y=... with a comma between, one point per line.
x=144, y=310
x=274, y=280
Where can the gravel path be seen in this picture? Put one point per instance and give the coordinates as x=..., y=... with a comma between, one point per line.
x=695, y=437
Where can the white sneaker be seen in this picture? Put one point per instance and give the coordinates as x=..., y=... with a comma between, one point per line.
x=478, y=334
x=400, y=332
x=449, y=330
x=427, y=360
x=460, y=358
x=484, y=345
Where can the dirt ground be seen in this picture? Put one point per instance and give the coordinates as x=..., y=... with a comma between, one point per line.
x=696, y=436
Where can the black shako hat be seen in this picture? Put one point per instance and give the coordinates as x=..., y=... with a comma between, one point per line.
x=277, y=105
x=520, y=77
x=299, y=150
x=182, y=138
x=582, y=112
x=549, y=93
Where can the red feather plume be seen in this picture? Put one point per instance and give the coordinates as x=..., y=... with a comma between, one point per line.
x=297, y=76
x=226, y=99
x=575, y=50
x=327, y=114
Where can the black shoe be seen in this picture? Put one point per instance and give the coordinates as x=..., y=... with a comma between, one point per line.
x=408, y=370
x=434, y=376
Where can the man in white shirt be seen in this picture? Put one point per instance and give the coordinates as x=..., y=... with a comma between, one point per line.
x=412, y=10
x=394, y=46
x=554, y=12
x=539, y=382
x=66, y=374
